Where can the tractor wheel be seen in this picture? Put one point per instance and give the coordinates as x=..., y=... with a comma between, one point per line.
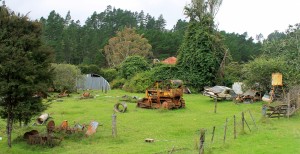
x=165, y=105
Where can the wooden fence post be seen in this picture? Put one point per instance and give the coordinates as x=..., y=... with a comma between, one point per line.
x=234, y=127
x=243, y=122
x=114, y=125
x=213, y=134
x=288, y=101
x=225, y=129
x=202, y=140
x=298, y=100
x=252, y=118
x=216, y=99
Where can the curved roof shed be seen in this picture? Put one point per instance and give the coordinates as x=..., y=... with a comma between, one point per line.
x=93, y=81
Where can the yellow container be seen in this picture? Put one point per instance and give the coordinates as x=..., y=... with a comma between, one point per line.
x=276, y=79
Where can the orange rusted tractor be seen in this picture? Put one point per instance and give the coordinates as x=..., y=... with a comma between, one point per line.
x=163, y=94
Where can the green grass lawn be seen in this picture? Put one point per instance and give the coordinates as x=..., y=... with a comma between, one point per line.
x=171, y=129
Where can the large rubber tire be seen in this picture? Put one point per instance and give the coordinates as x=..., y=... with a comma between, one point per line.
x=117, y=107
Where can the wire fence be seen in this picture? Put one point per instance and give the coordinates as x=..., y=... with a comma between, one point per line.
x=227, y=132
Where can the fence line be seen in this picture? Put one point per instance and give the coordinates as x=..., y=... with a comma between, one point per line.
x=230, y=129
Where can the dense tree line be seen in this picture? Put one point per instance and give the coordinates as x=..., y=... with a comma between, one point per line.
x=241, y=48
x=87, y=45
x=77, y=43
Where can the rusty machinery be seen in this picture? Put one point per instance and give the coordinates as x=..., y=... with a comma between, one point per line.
x=163, y=94
x=51, y=139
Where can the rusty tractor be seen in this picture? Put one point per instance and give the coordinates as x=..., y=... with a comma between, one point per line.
x=167, y=94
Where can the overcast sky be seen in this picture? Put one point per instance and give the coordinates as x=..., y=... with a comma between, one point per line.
x=239, y=16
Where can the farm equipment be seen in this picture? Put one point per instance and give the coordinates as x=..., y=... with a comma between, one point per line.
x=163, y=94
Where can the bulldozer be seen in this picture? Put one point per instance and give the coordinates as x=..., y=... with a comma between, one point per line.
x=165, y=94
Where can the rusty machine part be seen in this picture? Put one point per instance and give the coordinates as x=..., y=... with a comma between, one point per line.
x=92, y=128
x=50, y=126
x=34, y=137
x=27, y=134
x=166, y=94
x=48, y=140
x=86, y=95
x=63, y=94
x=64, y=127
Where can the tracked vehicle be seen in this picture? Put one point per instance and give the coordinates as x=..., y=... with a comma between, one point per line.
x=166, y=94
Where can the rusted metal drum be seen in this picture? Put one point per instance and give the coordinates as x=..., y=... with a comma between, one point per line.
x=41, y=119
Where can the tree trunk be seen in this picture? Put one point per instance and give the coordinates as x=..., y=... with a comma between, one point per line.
x=9, y=128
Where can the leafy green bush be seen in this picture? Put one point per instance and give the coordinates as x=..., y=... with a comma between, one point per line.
x=139, y=82
x=117, y=83
x=65, y=77
x=109, y=74
x=132, y=65
x=88, y=69
x=165, y=72
x=260, y=71
x=142, y=80
x=233, y=73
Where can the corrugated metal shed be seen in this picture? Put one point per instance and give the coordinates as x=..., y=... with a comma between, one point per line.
x=93, y=81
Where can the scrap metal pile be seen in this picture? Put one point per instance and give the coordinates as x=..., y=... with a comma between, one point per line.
x=219, y=93
x=55, y=134
x=235, y=93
